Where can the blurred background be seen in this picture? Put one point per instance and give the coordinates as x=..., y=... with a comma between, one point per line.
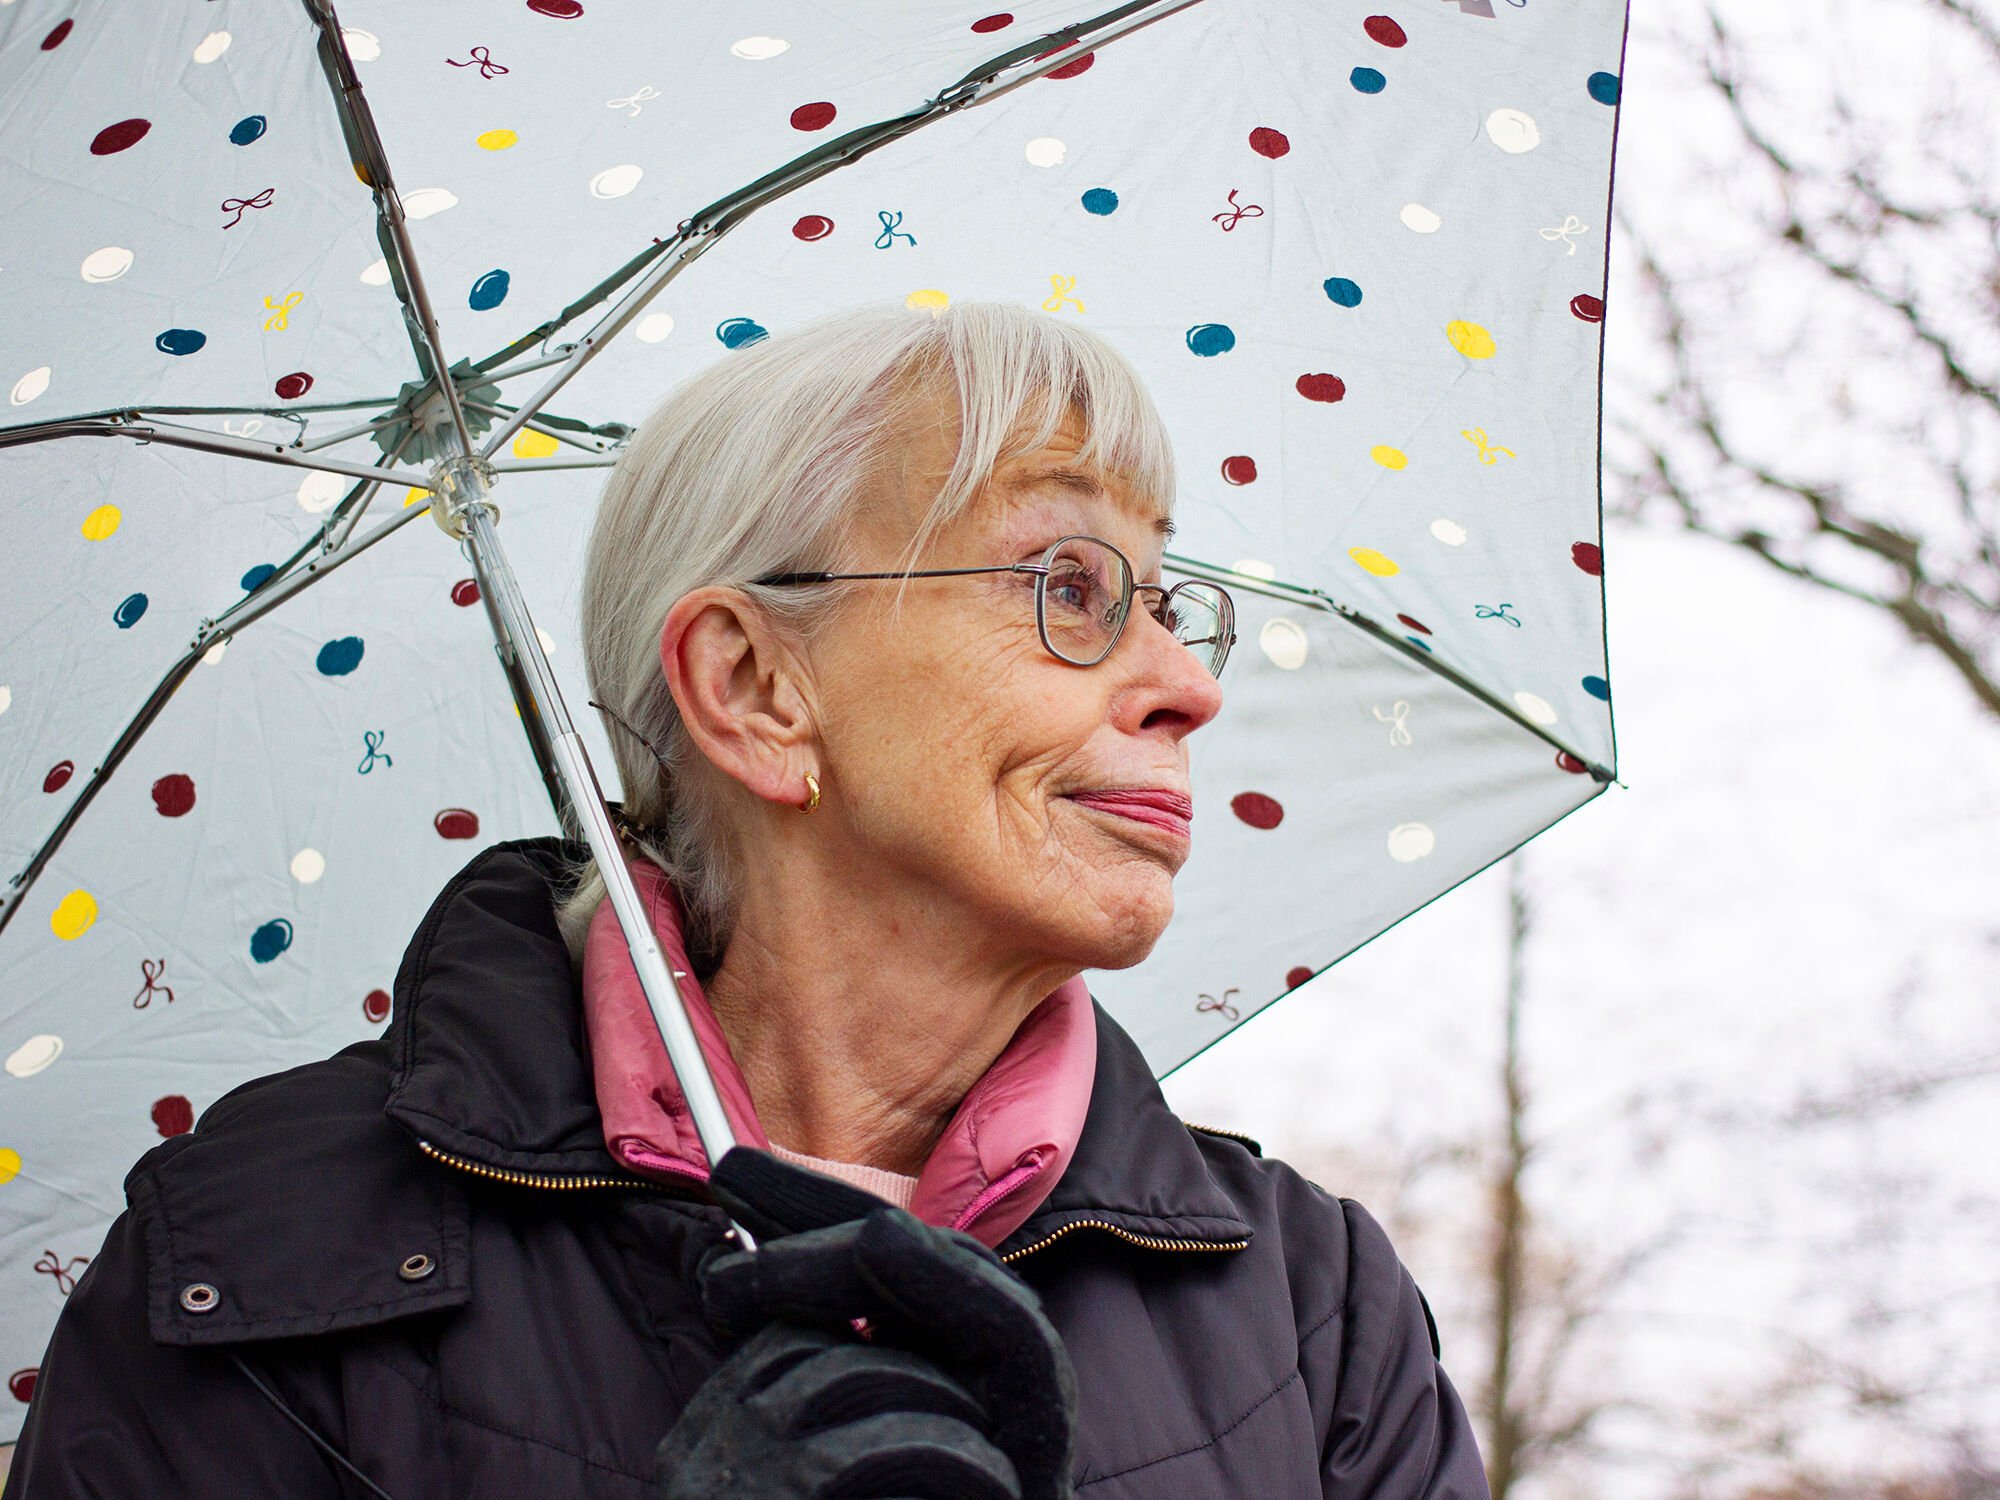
x=1686, y=1117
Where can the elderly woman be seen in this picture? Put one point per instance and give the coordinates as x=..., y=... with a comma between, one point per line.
x=903, y=710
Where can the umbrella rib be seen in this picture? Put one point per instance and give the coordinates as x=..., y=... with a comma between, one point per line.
x=393, y=229
x=671, y=256
x=252, y=607
x=139, y=429
x=1312, y=598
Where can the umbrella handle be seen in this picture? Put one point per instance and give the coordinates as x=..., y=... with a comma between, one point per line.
x=460, y=487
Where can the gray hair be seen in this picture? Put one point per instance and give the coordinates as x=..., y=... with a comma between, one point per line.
x=761, y=464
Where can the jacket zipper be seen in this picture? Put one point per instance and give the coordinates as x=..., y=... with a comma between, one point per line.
x=1150, y=1242
x=529, y=1179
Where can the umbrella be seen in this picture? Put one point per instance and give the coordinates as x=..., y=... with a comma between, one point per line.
x=280, y=284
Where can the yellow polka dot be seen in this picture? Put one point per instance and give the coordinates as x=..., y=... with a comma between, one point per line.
x=73, y=915
x=1371, y=561
x=1390, y=458
x=361, y=172
x=531, y=444
x=1470, y=340
x=415, y=497
x=496, y=140
x=101, y=522
x=928, y=299
x=10, y=1164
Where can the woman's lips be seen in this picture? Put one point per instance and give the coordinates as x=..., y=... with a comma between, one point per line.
x=1171, y=812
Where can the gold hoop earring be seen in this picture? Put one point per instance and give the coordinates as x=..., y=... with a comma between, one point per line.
x=811, y=803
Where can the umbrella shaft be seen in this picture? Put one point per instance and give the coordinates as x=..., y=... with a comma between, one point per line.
x=532, y=673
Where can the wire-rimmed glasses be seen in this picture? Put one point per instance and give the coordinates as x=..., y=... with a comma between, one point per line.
x=1083, y=596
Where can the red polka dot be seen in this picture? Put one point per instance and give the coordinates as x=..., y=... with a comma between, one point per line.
x=813, y=227
x=294, y=385
x=1268, y=142
x=465, y=593
x=22, y=1382
x=1570, y=763
x=1256, y=809
x=375, y=1006
x=1294, y=977
x=456, y=823
x=1239, y=468
x=120, y=137
x=173, y=1115
x=173, y=795
x=1586, y=308
x=813, y=116
x=59, y=775
x=1382, y=29
x=1072, y=69
x=1589, y=557
x=1000, y=20
x=56, y=38
x=561, y=10
x=1321, y=387
x=1417, y=625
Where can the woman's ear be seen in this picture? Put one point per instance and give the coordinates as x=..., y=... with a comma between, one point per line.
x=742, y=691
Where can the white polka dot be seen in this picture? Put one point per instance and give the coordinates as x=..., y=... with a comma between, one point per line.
x=1250, y=567
x=214, y=653
x=1423, y=220
x=1535, y=709
x=319, y=491
x=362, y=46
x=33, y=1055
x=1046, y=151
x=616, y=182
x=1513, y=131
x=759, y=48
x=107, y=264
x=548, y=646
x=653, y=328
x=1284, y=641
x=1411, y=841
x=212, y=46
x=421, y=203
x=1449, y=532
x=29, y=386
x=377, y=272
x=308, y=865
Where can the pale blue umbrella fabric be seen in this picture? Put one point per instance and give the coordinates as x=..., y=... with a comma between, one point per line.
x=1357, y=254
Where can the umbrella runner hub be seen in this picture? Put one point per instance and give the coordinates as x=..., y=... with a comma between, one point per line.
x=458, y=486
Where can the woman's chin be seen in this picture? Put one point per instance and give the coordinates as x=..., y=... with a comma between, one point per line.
x=1126, y=927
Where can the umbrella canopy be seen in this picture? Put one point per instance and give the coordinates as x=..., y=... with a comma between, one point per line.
x=1357, y=257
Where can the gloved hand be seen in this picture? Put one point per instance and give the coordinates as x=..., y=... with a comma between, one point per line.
x=989, y=1378
x=797, y=1412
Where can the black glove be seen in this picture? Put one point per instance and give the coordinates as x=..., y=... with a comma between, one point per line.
x=798, y=1413
x=987, y=1361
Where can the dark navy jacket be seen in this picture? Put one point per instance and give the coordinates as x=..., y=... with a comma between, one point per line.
x=422, y=1252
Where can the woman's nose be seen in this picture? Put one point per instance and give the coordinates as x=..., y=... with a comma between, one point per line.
x=1170, y=686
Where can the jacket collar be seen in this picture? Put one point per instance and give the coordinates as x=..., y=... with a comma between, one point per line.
x=493, y=1065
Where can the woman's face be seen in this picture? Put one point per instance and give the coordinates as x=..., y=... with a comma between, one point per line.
x=1040, y=805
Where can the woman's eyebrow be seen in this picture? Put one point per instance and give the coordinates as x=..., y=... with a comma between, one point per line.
x=1078, y=482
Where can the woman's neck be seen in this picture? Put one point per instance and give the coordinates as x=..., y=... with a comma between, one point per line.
x=858, y=1038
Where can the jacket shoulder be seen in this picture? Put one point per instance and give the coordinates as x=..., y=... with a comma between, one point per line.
x=293, y=1207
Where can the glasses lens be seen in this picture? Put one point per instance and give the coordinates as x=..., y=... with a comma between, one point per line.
x=1202, y=618
x=1084, y=597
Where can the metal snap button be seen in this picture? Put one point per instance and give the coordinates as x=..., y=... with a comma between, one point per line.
x=200, y=1297
x=416, y=1268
